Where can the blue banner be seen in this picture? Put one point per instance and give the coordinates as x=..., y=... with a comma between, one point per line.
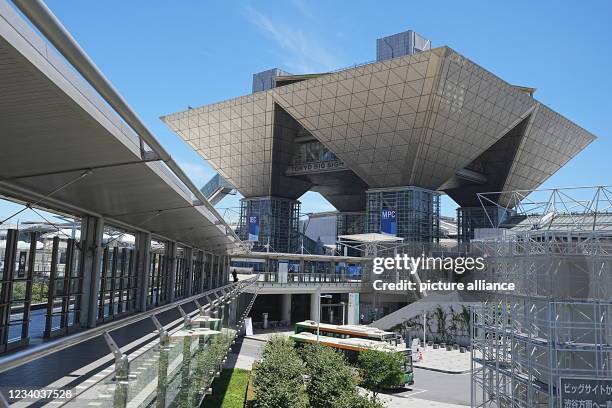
x=354, y=271
x=388, y=222
x=253, y=227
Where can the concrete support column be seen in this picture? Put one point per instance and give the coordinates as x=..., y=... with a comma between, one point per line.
x=353, y=312
x=171, y=256
x=143, y=265
x=92, y=229
x=315, y=306
x=189, y=271
x=286, y=307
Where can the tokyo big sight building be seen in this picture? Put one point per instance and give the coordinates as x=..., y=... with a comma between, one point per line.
x=390, y=135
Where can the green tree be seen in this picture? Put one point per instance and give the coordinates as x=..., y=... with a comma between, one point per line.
x=278, y=379
x=381, y=370
x=330, y=379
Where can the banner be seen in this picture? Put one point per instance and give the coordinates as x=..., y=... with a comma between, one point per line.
x=388, y=222
x=253, y=228
x=248, y=327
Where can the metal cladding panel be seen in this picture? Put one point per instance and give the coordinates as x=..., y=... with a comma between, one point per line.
x=414, y=120
x=235, y=137
x=370, y=116
x=471, y=109
x=550, y=142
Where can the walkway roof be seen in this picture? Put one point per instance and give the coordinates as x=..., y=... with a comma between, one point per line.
x=371, y=237
x=61, y=140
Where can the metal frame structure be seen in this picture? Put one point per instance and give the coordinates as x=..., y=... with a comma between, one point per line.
x=279, y=221
x=417, y=209
x=556, y=323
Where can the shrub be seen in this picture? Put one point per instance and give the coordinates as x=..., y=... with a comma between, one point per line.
x=357, y=401
x=278, y=378
x=380, y=370
x=329, y=376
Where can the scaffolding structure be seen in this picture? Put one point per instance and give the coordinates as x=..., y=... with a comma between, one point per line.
x=557, y=322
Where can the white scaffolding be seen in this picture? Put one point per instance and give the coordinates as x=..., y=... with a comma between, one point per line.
x=558, y=320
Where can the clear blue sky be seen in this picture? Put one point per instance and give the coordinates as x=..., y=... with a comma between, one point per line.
x=165, y=55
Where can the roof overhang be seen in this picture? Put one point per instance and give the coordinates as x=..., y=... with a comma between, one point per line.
x=64, y=149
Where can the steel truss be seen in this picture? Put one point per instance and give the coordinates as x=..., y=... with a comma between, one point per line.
x=558, y=320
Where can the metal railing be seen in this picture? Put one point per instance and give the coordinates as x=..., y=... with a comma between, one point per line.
x=307, y=278
x=33, y=353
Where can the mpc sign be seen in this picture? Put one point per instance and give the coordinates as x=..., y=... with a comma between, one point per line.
x=253, y=227
x=388, y=222
x=585, y=392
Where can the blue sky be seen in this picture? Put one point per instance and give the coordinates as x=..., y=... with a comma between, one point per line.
x=165, y=55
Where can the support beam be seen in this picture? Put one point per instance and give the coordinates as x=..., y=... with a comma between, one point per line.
x=202, y=260
x=286, y=307
x=92, y=230
x=143, y=249
x=189, y=271
x=315, y=306
x=171, y=257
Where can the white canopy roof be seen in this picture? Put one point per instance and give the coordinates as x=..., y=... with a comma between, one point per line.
x=371, y=237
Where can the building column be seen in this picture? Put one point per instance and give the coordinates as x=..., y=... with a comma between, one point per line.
x=189, y=271
x=143, y=264
x=92, y=230
x=171, y=256
x=352, y=313
x=286, y=307
x=218, y=271
x=202, y=259
x=209, y=271
x=315, y=306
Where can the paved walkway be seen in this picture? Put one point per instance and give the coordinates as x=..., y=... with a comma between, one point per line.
x=450, y=362
x=265, y=336
x=393, y=401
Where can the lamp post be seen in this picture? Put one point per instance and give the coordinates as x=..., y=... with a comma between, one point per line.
x=320, y=309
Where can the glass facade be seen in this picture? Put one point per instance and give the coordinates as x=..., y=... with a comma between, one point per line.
x=416, y=212
x=470, y=218
x=348, y=223
x=278, y=223
x=312, y=152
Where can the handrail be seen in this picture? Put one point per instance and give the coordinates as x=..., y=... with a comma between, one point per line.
x=22, y=357
x=307, y=277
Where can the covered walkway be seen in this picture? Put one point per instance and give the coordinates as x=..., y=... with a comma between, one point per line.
x=144, y=240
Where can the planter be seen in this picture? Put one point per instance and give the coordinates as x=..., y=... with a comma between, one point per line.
x=449, y=348
x=455, y=347
x=462, y=349
x=436, y=346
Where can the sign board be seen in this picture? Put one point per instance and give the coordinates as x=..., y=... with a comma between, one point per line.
x=585, y=392
x=388, y=222
x=253, y=228
x=248, y=326
x=316, y=167
x=354, y=271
